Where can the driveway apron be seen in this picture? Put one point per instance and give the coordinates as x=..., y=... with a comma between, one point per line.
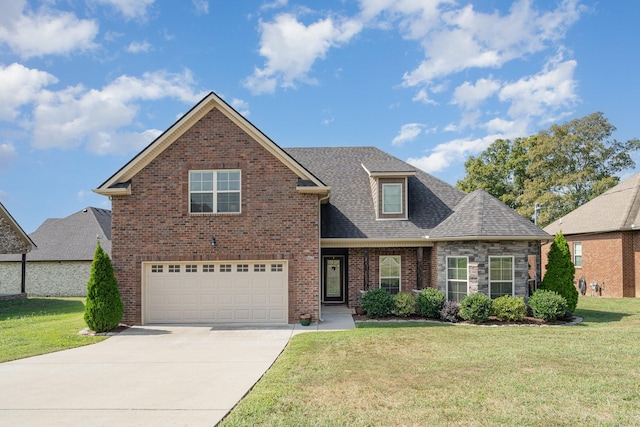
x=144, y=376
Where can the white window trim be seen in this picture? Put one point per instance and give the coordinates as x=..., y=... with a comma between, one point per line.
x=457, y=280
x=575, y=254
x=399, y=277
x=393, y=184
x=513, y=274
x=215, y=192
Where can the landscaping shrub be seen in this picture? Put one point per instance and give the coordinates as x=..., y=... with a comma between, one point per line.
x=449, y=312
x=476, y=307
x=560, y=272
x=377, y=303
x=547, y=305
x=429, y=303
x=404, y=304
x=104, y=308
x=509, y=308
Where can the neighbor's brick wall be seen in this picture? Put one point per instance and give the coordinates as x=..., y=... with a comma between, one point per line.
x=277, y=222
x=408, y=266
x=611, y=259
x=479, y=252
x=46, y=278
x=11, y=243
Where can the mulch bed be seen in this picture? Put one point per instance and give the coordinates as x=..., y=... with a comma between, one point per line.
x=493, y=321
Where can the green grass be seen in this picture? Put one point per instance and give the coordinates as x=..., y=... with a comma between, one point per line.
x=33, y=326
x=432, y=374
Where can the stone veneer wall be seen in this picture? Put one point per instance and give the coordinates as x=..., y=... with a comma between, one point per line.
x=10, y=243
x=478, y=253
x=46, y=278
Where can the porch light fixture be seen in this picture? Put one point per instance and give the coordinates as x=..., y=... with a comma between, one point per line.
x=213, y=242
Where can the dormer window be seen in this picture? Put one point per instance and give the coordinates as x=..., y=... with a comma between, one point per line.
x=389, y=188
x=391, y=199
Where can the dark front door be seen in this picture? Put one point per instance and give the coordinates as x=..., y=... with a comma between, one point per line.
x=333, y=281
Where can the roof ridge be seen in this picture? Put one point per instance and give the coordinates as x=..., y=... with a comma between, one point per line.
x=634, y=207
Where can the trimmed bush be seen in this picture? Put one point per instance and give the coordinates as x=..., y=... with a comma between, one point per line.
x=476, y=307
x=547, y=305
x=509, y=308
x=449, y=312
x=429, y=303
x=104, y=309
x=404, y=304
x=377, y=303
x=560, y=272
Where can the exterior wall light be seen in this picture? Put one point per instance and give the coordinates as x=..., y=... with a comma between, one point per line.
x=213, y=242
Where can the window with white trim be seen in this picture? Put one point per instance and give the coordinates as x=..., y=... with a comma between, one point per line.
x=391, y=198
x=457, y=278
x=390, y=273
x=500, y=276
x=577, y=254
x=214, y=191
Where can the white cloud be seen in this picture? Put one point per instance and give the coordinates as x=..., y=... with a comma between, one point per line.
x=7, y=155
x=241, y=106
x=444, y=154
x=44, y=32
x=20, y=85
x=139, y=47
x=464, y=38
x=408, y=132
x=201, y=6
x=130, y=9
x=3, y=196
x=99, y=118
x=542, y=93
x=423, y=96
x=291, y=48
x=469, y=96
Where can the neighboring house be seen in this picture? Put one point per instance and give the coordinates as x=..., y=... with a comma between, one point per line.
x=214, y=222
x=61, y=264
x=13, y=240
x=604, y=240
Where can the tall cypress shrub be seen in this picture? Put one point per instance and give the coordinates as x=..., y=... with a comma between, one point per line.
x=560, y=272
x=104, y=308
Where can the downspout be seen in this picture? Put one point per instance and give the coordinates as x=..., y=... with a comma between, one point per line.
x=320, y=200
x=23, y=280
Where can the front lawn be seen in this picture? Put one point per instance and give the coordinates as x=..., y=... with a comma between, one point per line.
x=33, y=326
x=431, y=374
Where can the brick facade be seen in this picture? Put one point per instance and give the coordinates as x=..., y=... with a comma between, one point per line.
x=276, y=222
x=612, y=259
x=46, y=278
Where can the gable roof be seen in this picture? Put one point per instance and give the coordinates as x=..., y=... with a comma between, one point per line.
x=480, y=216
x=72, y=238
x=120, y=182
x=15, y=239
x=616, y=209
x=351, y=213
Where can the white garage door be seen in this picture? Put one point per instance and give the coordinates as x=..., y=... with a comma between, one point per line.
x=207, y=292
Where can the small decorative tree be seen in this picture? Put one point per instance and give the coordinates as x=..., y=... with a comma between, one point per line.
x=104, y=308
x=560, y=272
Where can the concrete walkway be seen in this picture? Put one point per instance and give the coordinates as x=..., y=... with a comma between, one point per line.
x=158, y=375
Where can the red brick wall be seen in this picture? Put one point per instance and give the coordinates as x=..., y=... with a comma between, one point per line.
x=408, y=274
x=610, y=258
x=153, y=223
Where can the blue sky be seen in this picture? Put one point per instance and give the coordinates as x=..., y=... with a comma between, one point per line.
x=86, y=84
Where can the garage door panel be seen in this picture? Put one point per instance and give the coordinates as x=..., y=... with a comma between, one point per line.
x=216, y=292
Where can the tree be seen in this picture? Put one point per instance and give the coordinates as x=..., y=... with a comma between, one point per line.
x=104, y=308
x=560, y=168
x=560, y=272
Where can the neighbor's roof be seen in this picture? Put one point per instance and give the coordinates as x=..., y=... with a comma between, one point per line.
x=351, y=213
x=120, y=182
x=481, y=216
x=614, y=210
x=16, y=230
x=73, y=238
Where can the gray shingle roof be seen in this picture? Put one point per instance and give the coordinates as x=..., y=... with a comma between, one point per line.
x=72, y=238
x=351, y=214
x=481, y=215
x=616, y=209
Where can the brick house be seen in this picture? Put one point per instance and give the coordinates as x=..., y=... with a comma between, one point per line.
x=604, y=240
x=214, y=222
x=13, y=240
x=61, y=263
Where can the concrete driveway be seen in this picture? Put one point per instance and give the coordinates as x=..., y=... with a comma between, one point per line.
x=145, y=376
